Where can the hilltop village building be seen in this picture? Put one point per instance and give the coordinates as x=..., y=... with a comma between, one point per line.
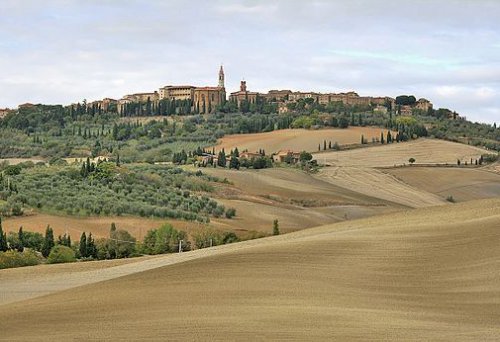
x=244, y=95
x=4, y=112
x=203, y=100
x=206, y=99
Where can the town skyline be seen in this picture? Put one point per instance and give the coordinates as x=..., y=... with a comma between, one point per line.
x=62, y=52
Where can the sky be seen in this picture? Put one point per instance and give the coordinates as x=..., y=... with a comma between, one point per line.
x=64, y=51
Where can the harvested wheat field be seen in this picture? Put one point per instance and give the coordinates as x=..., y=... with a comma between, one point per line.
x=425, y=151
x=463, y=184
x=297, y=199
x=296, y=139
x=424, y=274
x=99, y=226
x=380, y=184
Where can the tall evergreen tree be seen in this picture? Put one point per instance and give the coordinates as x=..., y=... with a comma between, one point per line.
x=91, y=247
x=83, y=246
x=20, y=237
x=389, y=137
x=3, y=239
x=48, y=242
x=276, y=229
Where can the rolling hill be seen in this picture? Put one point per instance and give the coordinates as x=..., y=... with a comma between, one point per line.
x=296, y=139
x=423, y=274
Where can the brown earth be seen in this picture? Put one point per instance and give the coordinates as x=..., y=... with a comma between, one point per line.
x=296, y=139
x=425, y=151
x=463, y=184
x=99, y=226
x=297, y=199
x=377, y=183
x=423, y=274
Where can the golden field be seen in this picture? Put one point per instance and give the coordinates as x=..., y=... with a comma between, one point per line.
x=297, y=139
x=423, y=274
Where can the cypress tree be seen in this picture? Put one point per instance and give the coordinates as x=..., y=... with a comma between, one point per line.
x=48, y=242
x=83, y=246
x=91, y=248
x=276, y=230
x=324, y=145
x=3, y=239
x=20, y=236
x=382, y=138
x=87, y=166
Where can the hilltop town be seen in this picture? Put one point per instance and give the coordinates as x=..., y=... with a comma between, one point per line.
x=208, y=99
x=190, y=99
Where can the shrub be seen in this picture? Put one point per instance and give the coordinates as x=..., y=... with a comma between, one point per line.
x=450, y=199
x=489, y=158
x=230, y=213
x=12, y=258
x=61, y=254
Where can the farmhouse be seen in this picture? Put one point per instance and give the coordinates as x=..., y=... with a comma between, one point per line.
x=286, y=155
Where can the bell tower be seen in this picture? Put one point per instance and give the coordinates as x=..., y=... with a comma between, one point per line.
x=221, y=77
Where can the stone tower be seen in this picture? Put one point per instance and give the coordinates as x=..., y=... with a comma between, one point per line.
x=221, y=77
x=243, y=86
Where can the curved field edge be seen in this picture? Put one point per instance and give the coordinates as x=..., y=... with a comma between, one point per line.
x=428, y=273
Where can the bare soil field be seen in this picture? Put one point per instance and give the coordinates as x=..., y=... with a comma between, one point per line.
x=462, y=183
x=15, y=161
x=99, y=226
x=425, y=151
x=296, y=139
x=377, y=183
x=423, y=274
x=297, y=199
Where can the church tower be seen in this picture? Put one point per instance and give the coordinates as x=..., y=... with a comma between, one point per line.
x=221, y=77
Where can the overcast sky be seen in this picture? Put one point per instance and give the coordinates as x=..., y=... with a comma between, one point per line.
x=63, y=51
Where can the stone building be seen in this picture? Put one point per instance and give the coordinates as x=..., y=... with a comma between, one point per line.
x=243, y=95
x=4, y=112
x=423, y=105
x=277, y=95
x=182, y=92
x=206, y=99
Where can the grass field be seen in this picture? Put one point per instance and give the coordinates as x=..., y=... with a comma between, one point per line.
x=425, y=151
x=296, y=139
x=461, y=183
x=424, y=274
x=15, y=161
